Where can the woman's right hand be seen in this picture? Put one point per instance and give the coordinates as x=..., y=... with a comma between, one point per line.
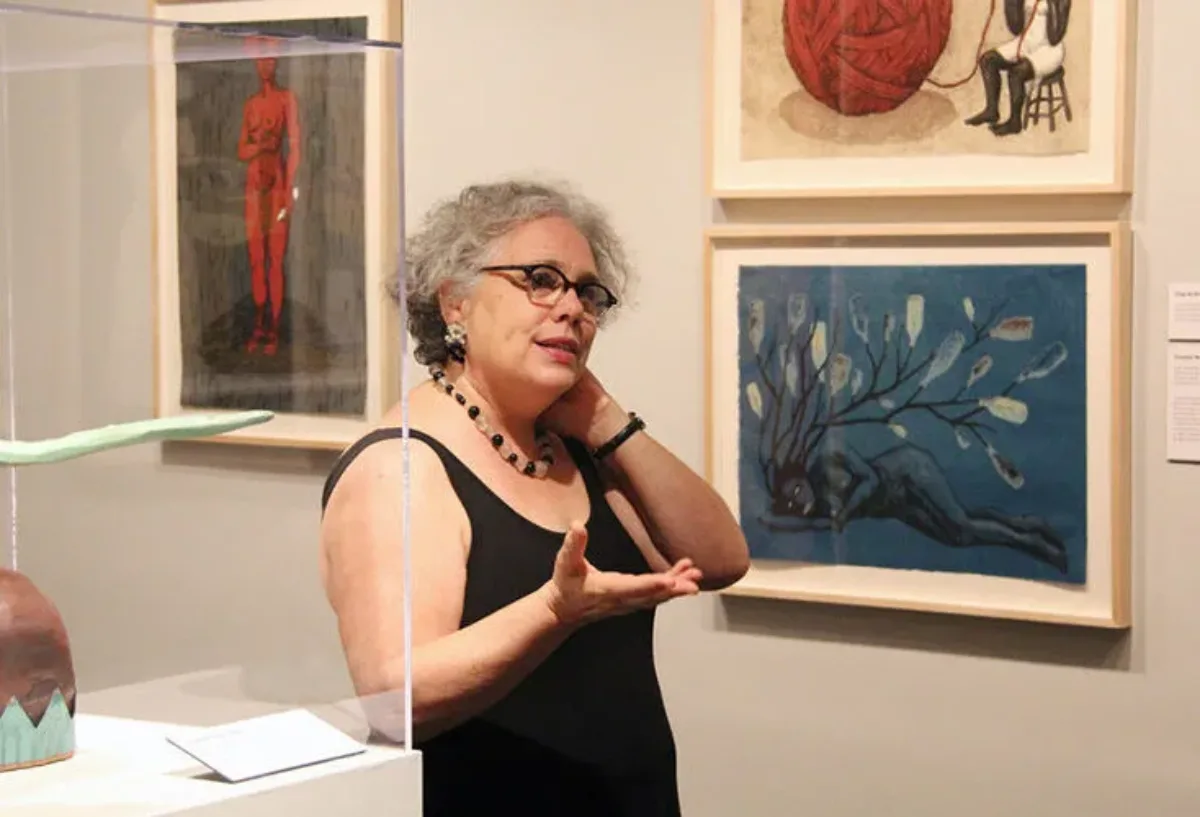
x=578, y=592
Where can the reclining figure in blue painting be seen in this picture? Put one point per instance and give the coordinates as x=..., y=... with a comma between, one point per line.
x=907, y=484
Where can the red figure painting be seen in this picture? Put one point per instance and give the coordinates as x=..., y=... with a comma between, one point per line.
x=269, y=144
x=272, y=253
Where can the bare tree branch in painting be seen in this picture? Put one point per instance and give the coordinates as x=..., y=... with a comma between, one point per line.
x=811, y=388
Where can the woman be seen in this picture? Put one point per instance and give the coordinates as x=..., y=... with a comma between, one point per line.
x=545, y=525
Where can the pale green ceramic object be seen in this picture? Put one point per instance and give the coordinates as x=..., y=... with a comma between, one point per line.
x=92, y=440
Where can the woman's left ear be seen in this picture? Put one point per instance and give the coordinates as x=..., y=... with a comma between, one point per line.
x=451, y=303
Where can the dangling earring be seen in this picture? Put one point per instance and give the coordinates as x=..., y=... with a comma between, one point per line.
x=456, y=341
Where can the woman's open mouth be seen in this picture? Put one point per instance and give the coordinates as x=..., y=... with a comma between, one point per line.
x=561, y=350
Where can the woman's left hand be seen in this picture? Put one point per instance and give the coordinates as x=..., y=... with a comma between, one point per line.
x=586, y=412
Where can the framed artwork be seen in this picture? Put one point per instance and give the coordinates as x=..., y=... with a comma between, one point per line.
x=278, y=202
x=925, y=97
x=930, y=417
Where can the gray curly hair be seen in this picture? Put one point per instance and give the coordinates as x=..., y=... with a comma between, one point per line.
x=458, y=234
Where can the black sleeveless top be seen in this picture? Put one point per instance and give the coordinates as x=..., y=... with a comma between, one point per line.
x=586, y=732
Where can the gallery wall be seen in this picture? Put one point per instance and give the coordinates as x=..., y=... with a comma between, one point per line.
x=171, y=562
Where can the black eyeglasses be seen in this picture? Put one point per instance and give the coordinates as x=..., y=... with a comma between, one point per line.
x=546, y=284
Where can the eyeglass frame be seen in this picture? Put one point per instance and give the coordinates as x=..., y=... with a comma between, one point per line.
x=567, y=283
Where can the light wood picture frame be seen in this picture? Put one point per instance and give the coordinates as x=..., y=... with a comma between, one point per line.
x=332, y=366
x=840, y=98
x=929, y=417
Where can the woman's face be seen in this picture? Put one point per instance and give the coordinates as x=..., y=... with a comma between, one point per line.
x=512, y=339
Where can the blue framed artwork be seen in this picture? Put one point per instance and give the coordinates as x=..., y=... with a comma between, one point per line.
x=929, y=419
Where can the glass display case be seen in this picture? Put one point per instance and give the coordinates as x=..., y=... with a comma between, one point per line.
x=200, y=241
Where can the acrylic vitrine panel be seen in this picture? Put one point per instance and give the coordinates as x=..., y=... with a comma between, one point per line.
x=200, y=219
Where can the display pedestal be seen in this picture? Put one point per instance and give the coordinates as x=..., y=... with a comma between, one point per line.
x=124, y=766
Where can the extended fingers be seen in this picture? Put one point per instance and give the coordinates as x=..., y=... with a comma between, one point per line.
x=672, y=585
x=642, y=588
x=681, y=565
x=649, y=589
x=686, y=571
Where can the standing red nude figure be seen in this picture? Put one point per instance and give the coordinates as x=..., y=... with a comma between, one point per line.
x=267, y=118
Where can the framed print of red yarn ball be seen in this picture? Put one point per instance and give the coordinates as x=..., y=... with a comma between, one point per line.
x=919, y=97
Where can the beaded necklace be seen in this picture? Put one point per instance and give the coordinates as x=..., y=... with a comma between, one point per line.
x=534, y=468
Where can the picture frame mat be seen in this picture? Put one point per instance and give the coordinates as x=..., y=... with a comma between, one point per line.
x=1103, y=601
x=1105, y=168
x=382, y=217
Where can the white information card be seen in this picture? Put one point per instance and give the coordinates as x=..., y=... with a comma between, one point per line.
x=1183, y=315
x=267, y=744
x=1183, y=402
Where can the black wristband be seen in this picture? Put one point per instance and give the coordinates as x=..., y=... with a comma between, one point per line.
x=634, y=425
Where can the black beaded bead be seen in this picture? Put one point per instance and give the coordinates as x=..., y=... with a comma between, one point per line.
x=497, y=440
x=473, y=412
x=512, y=457
x=530, y=468
x=462, y=401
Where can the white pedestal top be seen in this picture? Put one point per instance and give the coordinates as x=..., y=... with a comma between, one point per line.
x=124, y=767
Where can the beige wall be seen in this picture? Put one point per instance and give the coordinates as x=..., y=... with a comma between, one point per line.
x=779, y=709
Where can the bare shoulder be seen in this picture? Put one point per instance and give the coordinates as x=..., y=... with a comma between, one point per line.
x=364, y=518
x=364, y=562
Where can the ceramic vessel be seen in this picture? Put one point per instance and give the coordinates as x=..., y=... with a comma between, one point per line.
x=37, y=677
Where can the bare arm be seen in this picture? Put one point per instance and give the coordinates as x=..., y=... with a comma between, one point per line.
x=668, y=509
x=456, y=673
x=679, y=512
x=666, y=504
x=464, y=672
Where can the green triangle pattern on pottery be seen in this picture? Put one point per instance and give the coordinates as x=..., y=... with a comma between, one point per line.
x=118, y=435
x=22, y=743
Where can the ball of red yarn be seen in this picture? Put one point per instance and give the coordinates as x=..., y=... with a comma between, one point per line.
x=864, y=56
